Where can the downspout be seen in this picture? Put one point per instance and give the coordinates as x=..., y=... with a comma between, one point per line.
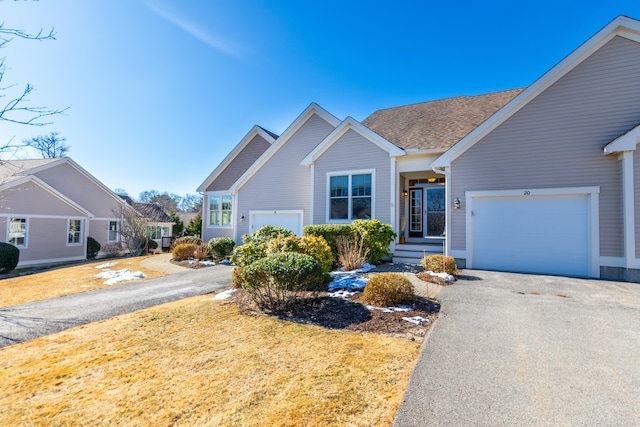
x=444, y=170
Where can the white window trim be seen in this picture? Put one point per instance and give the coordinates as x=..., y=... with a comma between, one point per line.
x=208, y=208
x=81, y=237
x=349, y=173
x=117, y=239
x=26, y=230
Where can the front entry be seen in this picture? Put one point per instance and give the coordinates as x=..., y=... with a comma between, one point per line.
x=426, y=211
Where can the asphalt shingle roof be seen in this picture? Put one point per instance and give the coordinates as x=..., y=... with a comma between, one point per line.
x=436, y=125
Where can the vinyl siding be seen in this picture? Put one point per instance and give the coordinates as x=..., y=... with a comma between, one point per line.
x=557, y=139
x=77, y=187
x=209, y=233
x=239, y=165
x=47, y=240
x=353, y=152
x=636, y=198
x=283, y=183
x=30, y=199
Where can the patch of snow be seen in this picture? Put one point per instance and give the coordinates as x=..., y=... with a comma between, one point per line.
x=225, y=262
x=442, y=275
x=207, y=263
x=390, y=309
x=224, y=295
x=349, y=281
x=116, y=276
x=365, y=269
x=416, y=320
x=107, y=264
x=342, y=294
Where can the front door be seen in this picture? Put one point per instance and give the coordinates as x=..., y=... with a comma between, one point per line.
x=426, y=211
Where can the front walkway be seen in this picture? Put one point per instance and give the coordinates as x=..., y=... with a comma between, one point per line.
x=515, y=349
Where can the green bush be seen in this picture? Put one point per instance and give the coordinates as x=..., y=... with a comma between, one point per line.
x=9, y=257
x=152, y=245
x=439, y=264
x=314, y=246
x=330, y=233
x=236, y=277
x=93, y=247
x=221, y=247
x=184, y=251
x=275, y=282
x=255, y=245
x=376, y=237
x=388, y=289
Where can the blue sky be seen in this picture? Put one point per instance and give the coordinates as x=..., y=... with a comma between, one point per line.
x=160, y=91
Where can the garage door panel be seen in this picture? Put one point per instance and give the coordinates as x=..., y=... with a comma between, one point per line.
x=284, y=219
x=531, y=234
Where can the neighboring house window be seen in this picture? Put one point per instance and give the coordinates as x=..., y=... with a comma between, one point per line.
x=113, y=231
x=220, y=210
x=75, y=232
x=156, y=232
x=18, y=232
x=351, y=196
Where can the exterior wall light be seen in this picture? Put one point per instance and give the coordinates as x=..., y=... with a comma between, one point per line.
x=241, y=218
x=405, y=193
x=456, y=203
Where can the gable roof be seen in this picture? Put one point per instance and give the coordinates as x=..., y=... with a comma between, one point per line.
x=436, y=125
x=351, y=124
x=625, y=142
x=312, y=109
x=149, y=211
x=621, y=26
x=270, y=137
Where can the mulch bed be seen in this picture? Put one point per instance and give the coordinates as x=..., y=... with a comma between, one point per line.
x=351, y=314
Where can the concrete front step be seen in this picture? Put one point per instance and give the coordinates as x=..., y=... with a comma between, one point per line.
x=412, y=254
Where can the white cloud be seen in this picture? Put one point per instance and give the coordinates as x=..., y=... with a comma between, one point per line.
x=225, y=46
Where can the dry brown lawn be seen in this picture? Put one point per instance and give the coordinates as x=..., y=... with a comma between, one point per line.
x=63, y=281
x=200, y=362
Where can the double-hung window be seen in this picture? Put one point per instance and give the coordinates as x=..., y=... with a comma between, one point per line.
x=113, y=231
x=350, y=195
x=17, y=234
x=75, y=232
x=220, y=209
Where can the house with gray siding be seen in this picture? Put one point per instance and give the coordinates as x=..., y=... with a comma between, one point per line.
x=540, y=179
x=48, y=208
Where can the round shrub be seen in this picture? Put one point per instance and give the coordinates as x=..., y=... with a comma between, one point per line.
x=9, y=257
x=388, y=289
x=221, y=247
x=93, y=247
x=152, y=245
x=187, y=239
x=255, y=245
x=376, y=237
x=184, y=251
x=439, y=264
x=314, y=246
x=275, y=282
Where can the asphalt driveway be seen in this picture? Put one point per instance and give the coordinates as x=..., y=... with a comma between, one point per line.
x=511, y=349
x=24, y=322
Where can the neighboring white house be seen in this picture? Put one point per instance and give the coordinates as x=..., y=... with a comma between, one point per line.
x=537, y=180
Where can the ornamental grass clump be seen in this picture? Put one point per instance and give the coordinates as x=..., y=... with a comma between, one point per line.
x=439, y=264
x=388, y=289
x=201, y=252
x=352, y=254
x=278, y=281
x=184, y=251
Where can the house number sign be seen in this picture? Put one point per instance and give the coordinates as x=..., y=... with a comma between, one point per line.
x=527, y=192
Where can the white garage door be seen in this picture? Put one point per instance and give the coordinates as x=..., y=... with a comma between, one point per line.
x=291, y=220
x=535, y=234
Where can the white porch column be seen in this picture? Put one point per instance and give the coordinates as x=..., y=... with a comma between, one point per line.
x=628, y=204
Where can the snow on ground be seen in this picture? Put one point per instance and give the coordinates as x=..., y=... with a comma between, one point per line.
x=442, y=275
x=349, y=280
x=342, y=294
x=116, y=276
x=416, y=320
x=207, y=263
x=107, y=264
x=390, y=309
x=224, y=295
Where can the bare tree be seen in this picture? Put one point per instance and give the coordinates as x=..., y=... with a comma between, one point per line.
x=49, y=146
x=191, y=203
x=15, y=104
x=133, y=229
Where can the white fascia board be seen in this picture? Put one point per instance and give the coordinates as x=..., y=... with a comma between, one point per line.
x=55, y=193
x=362, y=130
x=621, y=26
x=626, y=142
x=312, y=109
x=255, y=130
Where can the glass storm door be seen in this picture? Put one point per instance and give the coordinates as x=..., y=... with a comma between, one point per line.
x=426, y=212
x=435, y=214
